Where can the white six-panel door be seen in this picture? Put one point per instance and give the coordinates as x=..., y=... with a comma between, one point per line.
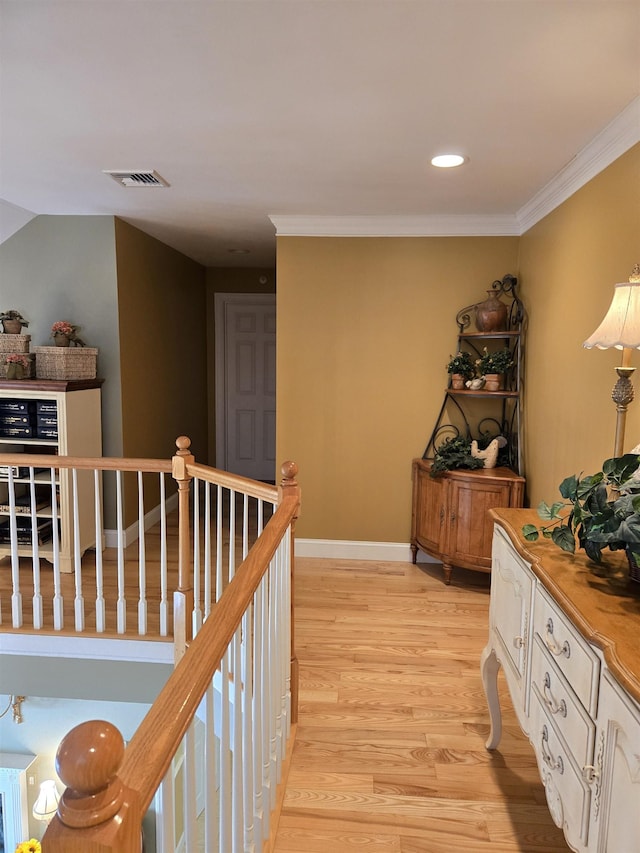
x=246, y=383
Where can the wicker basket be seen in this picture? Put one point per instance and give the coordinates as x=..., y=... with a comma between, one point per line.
x=28, y=370
x=66, y=362
x=14, y=343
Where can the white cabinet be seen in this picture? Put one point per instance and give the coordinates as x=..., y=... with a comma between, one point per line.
x=574, y=681
x=40, y=417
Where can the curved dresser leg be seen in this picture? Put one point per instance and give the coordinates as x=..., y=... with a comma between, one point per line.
x=489, y=667
x=446, y=570
x=414, y=553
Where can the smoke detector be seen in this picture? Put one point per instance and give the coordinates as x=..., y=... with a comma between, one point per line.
x=137, y=178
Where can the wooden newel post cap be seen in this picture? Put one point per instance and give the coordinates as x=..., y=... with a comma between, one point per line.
x=183, y=443
x=289, y=470
x=87, y=761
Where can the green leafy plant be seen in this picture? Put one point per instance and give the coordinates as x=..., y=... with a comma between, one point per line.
x=494, y=362
x=601, y=511
x=13, y=315
x=463, y=364
x=454, y=453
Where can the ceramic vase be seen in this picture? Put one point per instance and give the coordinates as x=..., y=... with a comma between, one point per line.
x=61, y=340
x=491, y=315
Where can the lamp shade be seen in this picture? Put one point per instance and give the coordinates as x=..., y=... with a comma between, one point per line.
x=46, y=804
x=621, y=325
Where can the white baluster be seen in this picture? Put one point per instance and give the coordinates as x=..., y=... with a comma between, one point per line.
x=142, y=561
x=189, y=792
x=207, y=549
x=232, y=533
x=219, y=497
x=165, y=814
x=237, y=757
x=245, y=526
x=224, y=772
x=257, y=716
x=78, y=602
x=36, y=603
x=58, y=603
x=97, y=505
x=248, y=793
x=164, y=603
x=196, y=616
x=16, y=595
x=121, y=607
x=266, y=710
x=211, y=754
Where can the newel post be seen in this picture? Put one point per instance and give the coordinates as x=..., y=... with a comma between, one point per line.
x=97, y=813
x=183, y=596
x=289, y=486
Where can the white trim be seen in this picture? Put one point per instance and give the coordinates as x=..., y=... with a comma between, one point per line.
x=344, y=549
x=131, y=534
x=396, y=226
x=90, y=648
x=612, y=142
x=616, y=138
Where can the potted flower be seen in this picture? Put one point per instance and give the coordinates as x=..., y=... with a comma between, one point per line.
x=30, y=846
x=17, y=366
x=12, y=322
x=461, y=368
x=601, y=511
x=493, y=365
x=65, y=333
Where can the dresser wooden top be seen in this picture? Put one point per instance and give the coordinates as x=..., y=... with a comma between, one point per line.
x=605, y=608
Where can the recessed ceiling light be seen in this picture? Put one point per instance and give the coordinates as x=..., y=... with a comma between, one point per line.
x=447, y=161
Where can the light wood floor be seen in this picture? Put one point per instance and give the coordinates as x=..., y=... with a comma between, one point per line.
x=390, y=756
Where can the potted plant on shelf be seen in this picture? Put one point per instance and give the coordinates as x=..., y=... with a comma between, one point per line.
x=17, y=366
x=492, y=366
x=12, y=322
x=453, y=453
x=64, y=334
x=461, y=367
x=603, y=512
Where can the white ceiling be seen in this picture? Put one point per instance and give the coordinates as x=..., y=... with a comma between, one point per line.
x=302, y=108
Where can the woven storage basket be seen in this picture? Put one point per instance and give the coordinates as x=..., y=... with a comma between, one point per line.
x=14, y=343
x=28, y=371
x=66, y=362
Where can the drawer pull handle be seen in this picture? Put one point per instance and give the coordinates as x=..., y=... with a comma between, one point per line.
x=549, y=701
x=552, y=645
x=518, y=642
x=590, y=773
x=441, y=514
x=551, y=762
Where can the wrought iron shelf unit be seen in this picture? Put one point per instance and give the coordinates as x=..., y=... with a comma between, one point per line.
x=477, y=413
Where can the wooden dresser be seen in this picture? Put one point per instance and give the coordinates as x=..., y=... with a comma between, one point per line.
x=568, y=642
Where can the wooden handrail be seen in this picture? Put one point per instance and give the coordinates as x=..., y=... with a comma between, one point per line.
x=100, y=463
x=149, y=754
x=253, y=488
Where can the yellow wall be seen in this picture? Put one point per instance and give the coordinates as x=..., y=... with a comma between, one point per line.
x=365, y=329
x=161, y=306
x=569, y=263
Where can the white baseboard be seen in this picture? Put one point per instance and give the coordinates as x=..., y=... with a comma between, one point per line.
x=132, y=532
x=344, y=549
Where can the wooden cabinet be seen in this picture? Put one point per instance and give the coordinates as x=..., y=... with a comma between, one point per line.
x=451, y=520
x=567, y=641
x=52, y=418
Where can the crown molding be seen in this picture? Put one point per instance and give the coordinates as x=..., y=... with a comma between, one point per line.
x=616, y=138
x=395, y=226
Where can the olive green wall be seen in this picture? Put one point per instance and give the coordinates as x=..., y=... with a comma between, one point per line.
x=365, y=329
x=162, y=319
x=228, y=280
x=569, y=263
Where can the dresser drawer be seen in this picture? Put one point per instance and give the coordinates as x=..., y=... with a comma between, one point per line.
x=568, y=794
x=573, y=655
x=561, y=703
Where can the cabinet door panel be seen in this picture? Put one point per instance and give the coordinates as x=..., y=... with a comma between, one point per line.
x=429, y=510
x=470, y=526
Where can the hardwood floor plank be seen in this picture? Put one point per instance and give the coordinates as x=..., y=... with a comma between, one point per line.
x=390, y=755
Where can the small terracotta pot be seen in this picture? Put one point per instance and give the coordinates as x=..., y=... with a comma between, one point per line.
x=12, y=327
x=61, y=340
x=457, y=381
x=493, y=381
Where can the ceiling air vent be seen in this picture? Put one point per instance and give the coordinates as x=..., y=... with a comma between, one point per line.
x=139, y=178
